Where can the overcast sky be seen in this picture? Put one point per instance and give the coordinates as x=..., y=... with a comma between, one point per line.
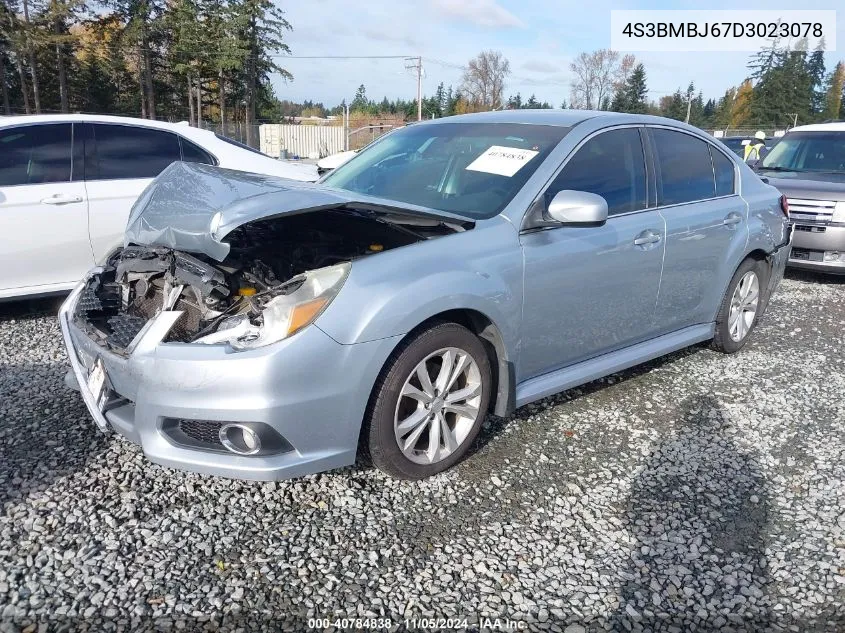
x=539, y=37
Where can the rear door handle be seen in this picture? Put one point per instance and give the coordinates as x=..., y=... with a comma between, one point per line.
x=647, y=237
x=732, y=218
x=60, y=198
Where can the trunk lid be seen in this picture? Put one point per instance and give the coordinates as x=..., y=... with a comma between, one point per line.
x=192, y=207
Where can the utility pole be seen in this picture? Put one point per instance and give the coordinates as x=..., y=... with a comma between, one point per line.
x=689, y=107
x=345, y=126
x=417, y=65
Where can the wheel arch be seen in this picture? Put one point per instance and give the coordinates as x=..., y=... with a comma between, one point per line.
x=503, y=399
x=757, y=254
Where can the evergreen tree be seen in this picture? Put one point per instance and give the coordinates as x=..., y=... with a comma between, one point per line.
x=360, y=102
x=619, y=104
x=816, y=72
x=834, y=93
x=635, y=91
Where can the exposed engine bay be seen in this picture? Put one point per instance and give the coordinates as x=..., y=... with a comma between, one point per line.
x=268, y=260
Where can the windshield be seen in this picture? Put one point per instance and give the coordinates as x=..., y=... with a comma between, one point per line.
x=808, y=151
x=470, y=169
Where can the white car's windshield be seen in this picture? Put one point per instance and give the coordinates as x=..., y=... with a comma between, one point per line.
x=471, y=169
x=808, y=151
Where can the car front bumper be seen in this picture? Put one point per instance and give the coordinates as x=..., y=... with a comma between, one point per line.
x=309, y=389
x=812, y=242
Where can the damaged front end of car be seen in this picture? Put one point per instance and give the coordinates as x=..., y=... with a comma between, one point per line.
x=265, y=267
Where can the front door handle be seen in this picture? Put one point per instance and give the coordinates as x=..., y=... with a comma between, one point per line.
x=61, y=198
x=647, y=237
x=732, y=218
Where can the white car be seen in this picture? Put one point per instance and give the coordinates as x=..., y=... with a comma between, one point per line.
x=330, y=163
x=68, y=182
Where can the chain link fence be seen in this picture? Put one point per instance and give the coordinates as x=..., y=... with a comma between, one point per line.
x=237, y=131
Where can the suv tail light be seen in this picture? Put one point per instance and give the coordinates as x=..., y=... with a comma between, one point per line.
x=784, y=205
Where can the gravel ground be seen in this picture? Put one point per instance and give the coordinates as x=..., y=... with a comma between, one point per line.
x=700, y=492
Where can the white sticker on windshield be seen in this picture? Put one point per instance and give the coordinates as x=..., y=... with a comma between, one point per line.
x=504, y=161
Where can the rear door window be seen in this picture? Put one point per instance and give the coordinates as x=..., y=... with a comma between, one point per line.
x=684, y=167
x=192, y=153
x=35, y=154
x=123, y=151
x=611, y=165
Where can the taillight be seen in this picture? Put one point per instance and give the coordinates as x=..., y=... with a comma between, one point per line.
x=784, y=205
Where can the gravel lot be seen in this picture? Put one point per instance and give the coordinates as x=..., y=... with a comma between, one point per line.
x=697, y=493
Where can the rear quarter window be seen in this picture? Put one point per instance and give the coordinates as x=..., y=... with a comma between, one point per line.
x=723, y=169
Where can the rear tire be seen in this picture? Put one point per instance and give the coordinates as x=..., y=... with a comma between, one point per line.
x=429, y=402
x=741, y=307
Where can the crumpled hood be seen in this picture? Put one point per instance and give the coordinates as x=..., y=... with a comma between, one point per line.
x=191, y=207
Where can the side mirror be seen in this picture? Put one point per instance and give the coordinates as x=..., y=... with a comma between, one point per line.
x=577, y=207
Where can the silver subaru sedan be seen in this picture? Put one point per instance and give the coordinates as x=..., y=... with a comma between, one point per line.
x=259, y=328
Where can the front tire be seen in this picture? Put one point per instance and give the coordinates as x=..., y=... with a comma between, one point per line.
x=741, y=307
x=429, y=402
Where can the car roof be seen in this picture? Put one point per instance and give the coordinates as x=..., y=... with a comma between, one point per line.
x=562, y=118
x=838, y=126
x=182, y=128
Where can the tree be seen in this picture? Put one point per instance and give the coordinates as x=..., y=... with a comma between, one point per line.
x=674, y=106
x=484, y=79
x=741, y=109
x=784, y=92
x=596, y=74
x=724, y=107
x=816, y=71
x=14, y=33
x=360, y=102
x=833, y=96
x=4, y=59
x=631, y=95
x=264, y=23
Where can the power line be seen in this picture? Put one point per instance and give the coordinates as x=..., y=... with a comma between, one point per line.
x=346, y=56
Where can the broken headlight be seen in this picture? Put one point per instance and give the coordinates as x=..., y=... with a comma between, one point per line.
x=284, y=314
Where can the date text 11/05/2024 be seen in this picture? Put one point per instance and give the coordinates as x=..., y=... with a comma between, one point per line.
x=485, y=623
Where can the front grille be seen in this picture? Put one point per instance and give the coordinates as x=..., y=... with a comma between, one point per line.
x=810, y=229
x=814, y=211
x=202, y=431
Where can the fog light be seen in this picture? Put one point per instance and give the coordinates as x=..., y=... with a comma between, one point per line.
x=240, y=439
x=831, y=256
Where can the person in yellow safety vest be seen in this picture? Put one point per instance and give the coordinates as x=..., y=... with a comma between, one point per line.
x=753, y=149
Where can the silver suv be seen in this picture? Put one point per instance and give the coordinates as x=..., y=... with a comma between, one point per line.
x=808, y=166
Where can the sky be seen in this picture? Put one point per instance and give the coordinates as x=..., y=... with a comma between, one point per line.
x=539, y=37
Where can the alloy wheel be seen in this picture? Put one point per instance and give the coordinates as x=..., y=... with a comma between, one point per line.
x=743, y=309
x=438, y=405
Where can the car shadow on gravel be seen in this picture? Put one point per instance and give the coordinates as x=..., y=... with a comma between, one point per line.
x=45, y=430
x=494, y=426
x=698, y=511
x=811, y=277
x=31, y=308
